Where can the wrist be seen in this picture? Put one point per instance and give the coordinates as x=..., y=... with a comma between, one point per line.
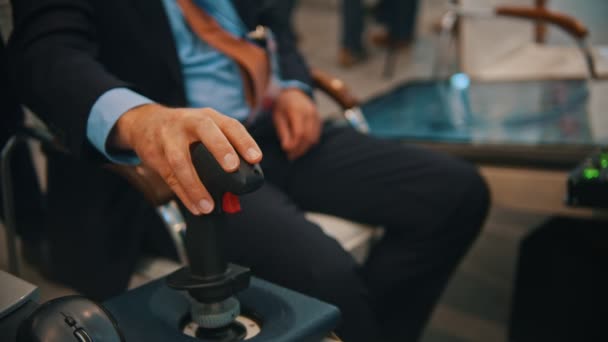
x=295, y=84
x=292, y=90
x=121, y=135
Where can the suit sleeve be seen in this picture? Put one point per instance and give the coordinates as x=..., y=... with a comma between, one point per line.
x=291, y=63
x=53, y=62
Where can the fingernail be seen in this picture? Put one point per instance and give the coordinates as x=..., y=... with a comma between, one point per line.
x=230, y=161
x=205, y=206
x=253, y=153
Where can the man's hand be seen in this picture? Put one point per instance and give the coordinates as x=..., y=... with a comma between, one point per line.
x=161, y=138
x=297, y=122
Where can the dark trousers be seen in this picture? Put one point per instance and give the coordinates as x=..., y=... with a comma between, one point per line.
x=353, y=18
x=399, y=17
x=431, y=207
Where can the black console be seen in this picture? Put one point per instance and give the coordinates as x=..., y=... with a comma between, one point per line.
x=588, y=182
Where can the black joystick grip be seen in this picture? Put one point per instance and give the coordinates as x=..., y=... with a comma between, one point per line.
x=247, y=178
x=209, y=278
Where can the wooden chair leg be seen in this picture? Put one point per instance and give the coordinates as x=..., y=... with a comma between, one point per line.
x=540, y=30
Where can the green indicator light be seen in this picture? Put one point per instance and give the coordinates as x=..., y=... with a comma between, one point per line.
x=604, y=162
x=591, y=173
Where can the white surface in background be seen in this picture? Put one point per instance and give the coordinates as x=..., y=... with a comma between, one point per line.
x=504, y=48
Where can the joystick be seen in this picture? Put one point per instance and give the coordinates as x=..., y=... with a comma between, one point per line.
x=211, y=290
x=201, y=302
x=210, y=280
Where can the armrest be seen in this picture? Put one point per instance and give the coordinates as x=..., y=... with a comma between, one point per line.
x=147, y=181
x=335, y=88
x=568, y=23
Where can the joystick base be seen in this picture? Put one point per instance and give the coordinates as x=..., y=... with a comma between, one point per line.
x=155, y=312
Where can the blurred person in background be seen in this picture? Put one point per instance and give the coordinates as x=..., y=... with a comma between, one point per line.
x=398, y=18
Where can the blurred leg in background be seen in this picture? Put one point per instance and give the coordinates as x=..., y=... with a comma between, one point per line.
x=353, y=16
x=399, y=18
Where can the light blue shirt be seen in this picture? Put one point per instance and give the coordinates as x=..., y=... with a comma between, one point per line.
x=211, y=79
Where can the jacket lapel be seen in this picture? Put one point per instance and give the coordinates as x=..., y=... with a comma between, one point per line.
x=247, y=10
x=158, y=37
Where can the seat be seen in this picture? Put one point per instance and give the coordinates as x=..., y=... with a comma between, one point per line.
x=523, y=54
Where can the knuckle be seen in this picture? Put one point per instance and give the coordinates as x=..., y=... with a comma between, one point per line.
x=218, y=144
x=232, y=124
x=164, y=172
x=163, y=131
x=147, y=151
x=171, y=180
x=205, y=122
x=177, y=161
x=208, y=111
x=174, y=116
x=245, y=139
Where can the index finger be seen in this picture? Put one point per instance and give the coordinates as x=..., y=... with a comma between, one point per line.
x=240, y=139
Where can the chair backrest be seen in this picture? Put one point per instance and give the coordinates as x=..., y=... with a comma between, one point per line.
x=495, y=46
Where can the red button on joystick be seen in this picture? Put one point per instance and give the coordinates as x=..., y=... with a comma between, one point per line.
x=231, y=203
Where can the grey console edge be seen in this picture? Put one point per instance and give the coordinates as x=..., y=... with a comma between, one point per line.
x=14, y=293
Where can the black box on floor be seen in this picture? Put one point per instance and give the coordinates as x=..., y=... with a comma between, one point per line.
x=561, y=283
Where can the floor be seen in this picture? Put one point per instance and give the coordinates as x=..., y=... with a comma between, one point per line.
x=475, y=306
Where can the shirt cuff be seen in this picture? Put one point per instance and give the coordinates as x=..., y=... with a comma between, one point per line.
x=106, y=111
x=296, y=84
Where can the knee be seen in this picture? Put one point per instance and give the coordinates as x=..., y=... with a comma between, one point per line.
x=473, y=199
x=477, y=192
x=335, y=282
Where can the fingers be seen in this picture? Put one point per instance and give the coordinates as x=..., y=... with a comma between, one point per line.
x=240, y=139
x=158, y=162
x=162, y=139
x=281, y=123
x=297, y=123
x=315, y=127
x=183, y=173
x=305, y=131
x=207, y=132
x=294, y=124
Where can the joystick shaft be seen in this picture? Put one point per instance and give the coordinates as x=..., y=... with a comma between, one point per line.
x=209, y=278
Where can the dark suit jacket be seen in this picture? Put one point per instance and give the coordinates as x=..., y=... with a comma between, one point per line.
x=64, y=55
